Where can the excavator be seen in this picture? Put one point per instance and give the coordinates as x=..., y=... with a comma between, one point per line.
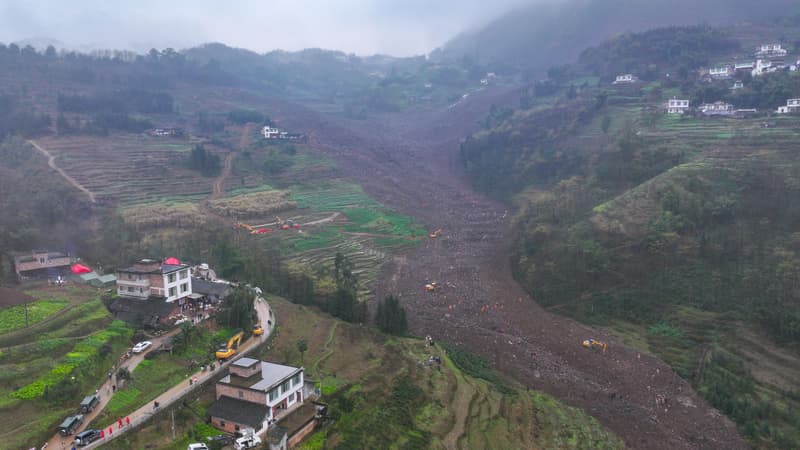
x=435, y=234
x=257, y=330
x=594, y=343
x=247, y=227
x=430, y=287
x=233, y=345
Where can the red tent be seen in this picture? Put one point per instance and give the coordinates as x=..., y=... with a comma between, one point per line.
x=79, y=269
x=172, y=261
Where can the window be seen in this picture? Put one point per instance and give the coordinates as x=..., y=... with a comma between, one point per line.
x=296, y=380
x=130, y=288
x=222, y=423
x=171, y=278
x=141, y=290
x=291, y=397
x=285, y=387
x=184, y=274
x=241, y=394
x=184, y=287
x=172, y=292
x=273, y=395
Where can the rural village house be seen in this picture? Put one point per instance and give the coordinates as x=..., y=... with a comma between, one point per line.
x=717, y=109
x=42, y=264
x=677, y=106
x=149, y=278
x=626, y=79
x=771, y=51
x=792, y=107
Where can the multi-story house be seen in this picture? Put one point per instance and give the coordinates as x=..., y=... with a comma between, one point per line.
x=717, y=109
x=792, y=107
x=42, y=264
x=627, y=78
x=255, y=393
x=149, y=278
x=677, y=106
x=771, y=51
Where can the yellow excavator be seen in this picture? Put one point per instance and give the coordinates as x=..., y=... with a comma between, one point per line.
x=594, y=343
x=430, y=287
x=435, y=234
x=257, y=330
x=233, y=345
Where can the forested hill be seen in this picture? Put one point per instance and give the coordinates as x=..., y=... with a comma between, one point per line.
x=677, y=232
x=535, y=37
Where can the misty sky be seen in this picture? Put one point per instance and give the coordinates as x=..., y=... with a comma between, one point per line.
x=395, y=27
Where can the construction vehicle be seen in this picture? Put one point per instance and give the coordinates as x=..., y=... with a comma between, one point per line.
x=247, y=227
x=435, y=234
x=430, y=287
x=257, y=330
x=249, y=439
x=230, y=349
x=594, y=343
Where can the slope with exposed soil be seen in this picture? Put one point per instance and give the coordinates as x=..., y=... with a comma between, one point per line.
x=410, y=162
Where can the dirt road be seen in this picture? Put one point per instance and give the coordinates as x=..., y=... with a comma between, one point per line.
x=411, y=162
x=51, y=161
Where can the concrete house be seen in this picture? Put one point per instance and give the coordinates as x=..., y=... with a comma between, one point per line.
x=677, y=106
x=148, y=278
x=737, y=85
x=42, y=264
x=717, y=109
x=627, y=78
x=762, y=67
x=721, y=72
x=792, y=107
x=771, y=51
x=256, y=393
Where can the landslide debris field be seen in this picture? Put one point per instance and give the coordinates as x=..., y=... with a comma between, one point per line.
x=410, y=162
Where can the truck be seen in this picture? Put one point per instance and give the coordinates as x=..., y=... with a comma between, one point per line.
x=249, y=439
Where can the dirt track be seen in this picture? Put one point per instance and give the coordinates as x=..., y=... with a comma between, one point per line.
x=51, y=161
x=411, y=163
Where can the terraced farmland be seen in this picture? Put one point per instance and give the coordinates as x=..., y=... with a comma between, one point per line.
x=129, y=168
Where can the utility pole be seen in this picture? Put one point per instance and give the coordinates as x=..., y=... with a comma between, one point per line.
x=172, y=413
x=26, y=314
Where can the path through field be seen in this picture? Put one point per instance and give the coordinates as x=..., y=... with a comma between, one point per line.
x=411, y=162
x=51, y=161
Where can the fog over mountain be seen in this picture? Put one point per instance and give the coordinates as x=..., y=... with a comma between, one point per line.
x=535, y=36
x=395, y=27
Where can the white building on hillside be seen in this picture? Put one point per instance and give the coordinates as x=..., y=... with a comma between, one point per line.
x=762, y=67
x=792, y=107
x=721, y=73
x=677, y=106
x=717, y=109
x=149, y=278
x=771, y=51
x=626, y=79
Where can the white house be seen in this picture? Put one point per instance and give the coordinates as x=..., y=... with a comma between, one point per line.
x=261, y=388
x=626, y=79
x=149, y=278
x=771, y=51
x=677, y=106
x=763, y=66
x=737, y=85
x=721, y=73
x=744, y=66
x=792, y=107
x=717, y=109
x=270, y=133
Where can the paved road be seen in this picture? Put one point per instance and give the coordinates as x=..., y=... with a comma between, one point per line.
x=265, y=316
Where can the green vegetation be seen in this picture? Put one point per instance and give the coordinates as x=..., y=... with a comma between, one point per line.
x=390, y=317
x=20, y=316
x=203, y=161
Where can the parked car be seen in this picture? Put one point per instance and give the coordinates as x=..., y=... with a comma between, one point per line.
x=86, y=437
x=141, y=346
x=89, y=403
x=197, y=446
x=70, y=424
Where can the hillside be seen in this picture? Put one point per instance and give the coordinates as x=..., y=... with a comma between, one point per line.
x=383, y=392
x=535, y=37
x=675, y=233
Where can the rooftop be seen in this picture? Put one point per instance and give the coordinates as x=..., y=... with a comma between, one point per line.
x=271, y=375
x=239, y=411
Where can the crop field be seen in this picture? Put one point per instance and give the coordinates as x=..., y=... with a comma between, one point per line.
x=128, y=168
x=73, y=344
x=20, y=316
x=252, y=205
x=163, y=214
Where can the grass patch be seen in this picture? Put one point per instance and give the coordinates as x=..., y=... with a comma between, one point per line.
x=254, y=204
